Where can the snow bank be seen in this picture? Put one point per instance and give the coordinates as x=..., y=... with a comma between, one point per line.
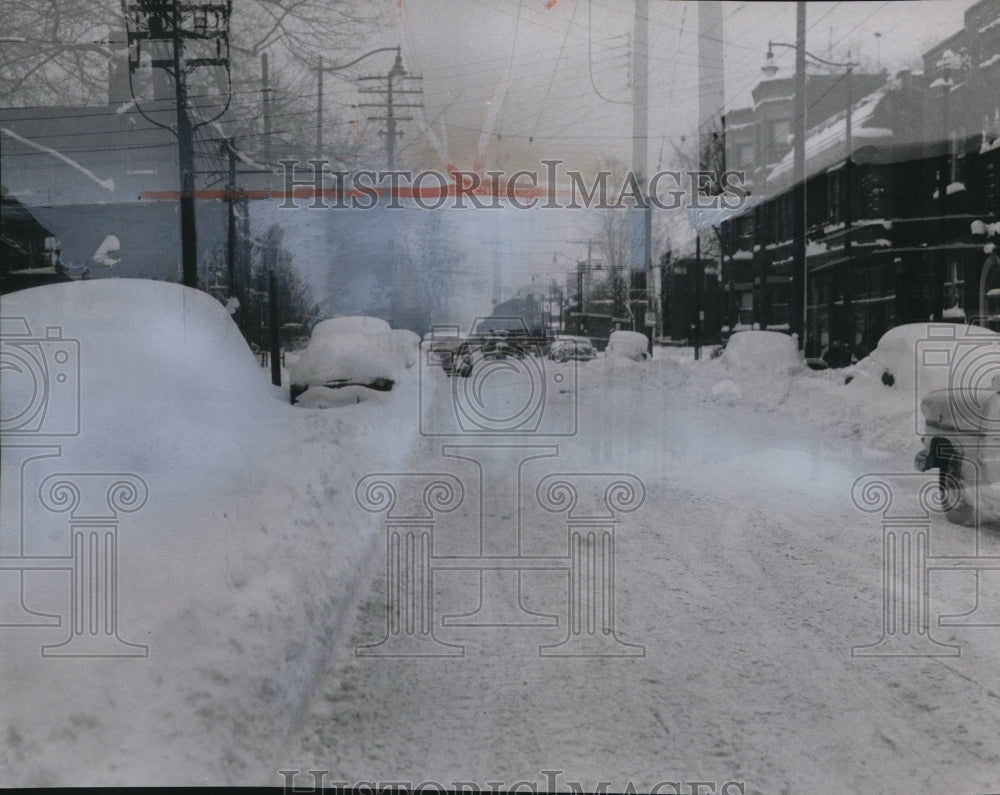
x=762, y=350
x=235, y=573
x=408, y=343
x=727, y=388
x=627, y=345
x=356, y=349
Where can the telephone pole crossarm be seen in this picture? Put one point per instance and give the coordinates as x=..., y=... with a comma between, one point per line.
x=390, y=91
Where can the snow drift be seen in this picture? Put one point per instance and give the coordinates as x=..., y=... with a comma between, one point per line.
x=235, y=572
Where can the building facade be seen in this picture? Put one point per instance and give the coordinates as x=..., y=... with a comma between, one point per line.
x=900, y=208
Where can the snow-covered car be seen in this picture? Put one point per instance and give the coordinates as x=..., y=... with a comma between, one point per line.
x=920, y=358
x=962, y=441
x=752, y=349
x=565, y=348
x=628, y=345
x=349, y=359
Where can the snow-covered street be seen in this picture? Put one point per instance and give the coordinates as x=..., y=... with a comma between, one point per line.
x=522, y=396
x=664, y=574
x=748, y=574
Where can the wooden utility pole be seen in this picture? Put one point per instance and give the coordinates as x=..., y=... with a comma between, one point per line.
x=698, y=308
x=319, y=109
x=172, y=24
x=798, y=321
x=711, y=101
x=320, y=68
x=641, y=259
x=275, y=317
x=390, y=91
x=231, y=218
x=185, y=159
x=266, y=103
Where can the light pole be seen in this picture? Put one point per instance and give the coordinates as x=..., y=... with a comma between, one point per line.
x=397, y=68
x=770, y=68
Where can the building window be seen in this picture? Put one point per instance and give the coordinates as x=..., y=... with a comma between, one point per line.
x=779, y=129
x=744, y=154
x=834, y=186
x=957, y=154
x=991, y=127
x=954, y=290
x=746, y=309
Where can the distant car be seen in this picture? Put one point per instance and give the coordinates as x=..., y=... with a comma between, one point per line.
x=577, y=348
x=500, y=337
x=498, y=345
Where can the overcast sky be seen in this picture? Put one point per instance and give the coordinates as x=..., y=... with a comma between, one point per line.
x=508, y=82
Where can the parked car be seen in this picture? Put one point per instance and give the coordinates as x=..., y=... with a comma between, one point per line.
x=565, y=348
x=350, y=359
x=496, y=345
x=962, y=441
x=628, y=345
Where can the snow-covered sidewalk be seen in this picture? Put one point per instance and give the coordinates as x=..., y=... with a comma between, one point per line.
x=233, y=573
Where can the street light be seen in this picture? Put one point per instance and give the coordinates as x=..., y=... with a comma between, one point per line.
x=770, y=68
x=396, y=71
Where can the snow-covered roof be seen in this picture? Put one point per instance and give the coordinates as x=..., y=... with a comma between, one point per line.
x=825, y=143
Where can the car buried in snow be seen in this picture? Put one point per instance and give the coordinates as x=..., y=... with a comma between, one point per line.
x=564, y=349
x=961, y=439
x=350, y=359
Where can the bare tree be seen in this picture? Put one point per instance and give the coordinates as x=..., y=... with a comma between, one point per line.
x=58, y=52
x=54, y=51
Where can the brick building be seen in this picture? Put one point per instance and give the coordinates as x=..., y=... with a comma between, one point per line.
x=897, y=229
